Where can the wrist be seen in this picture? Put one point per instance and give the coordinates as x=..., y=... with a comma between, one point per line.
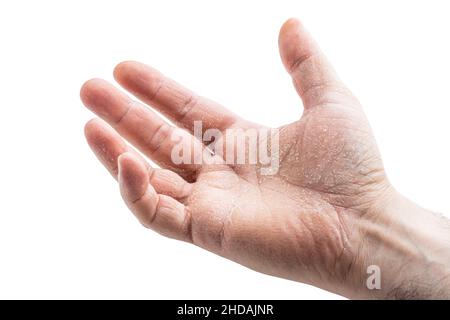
x=407, y=246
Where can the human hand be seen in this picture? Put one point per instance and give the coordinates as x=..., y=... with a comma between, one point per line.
x=326, y=215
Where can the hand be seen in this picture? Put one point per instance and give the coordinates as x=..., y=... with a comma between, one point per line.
x=326, y=215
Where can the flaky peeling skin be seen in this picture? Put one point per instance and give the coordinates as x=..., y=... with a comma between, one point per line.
x=326, y=215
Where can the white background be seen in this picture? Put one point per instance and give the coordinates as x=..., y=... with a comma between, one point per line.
x=64, y=231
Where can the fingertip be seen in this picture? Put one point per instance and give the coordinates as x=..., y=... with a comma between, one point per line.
x=138, y=78
x=91, y=127
x=295, y=43
x=89, y=89
x=122, y=69
x=106, y=144
x=98, y=95
x=133, y=176
x=94, y=132
x=127, y=71
x=129, y=163
x=289, y=27
x=288, y=41
x=290, y=23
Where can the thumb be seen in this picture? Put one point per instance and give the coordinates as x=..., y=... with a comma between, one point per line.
x=314, y=78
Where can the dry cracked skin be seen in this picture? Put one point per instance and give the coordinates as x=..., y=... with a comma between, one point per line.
x=327, y=214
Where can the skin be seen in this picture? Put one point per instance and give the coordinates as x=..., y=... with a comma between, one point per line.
x=323, y=219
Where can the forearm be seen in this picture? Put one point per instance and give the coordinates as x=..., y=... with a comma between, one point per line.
x=411, y=248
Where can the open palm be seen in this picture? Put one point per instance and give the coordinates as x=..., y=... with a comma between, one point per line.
x=297, y=223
